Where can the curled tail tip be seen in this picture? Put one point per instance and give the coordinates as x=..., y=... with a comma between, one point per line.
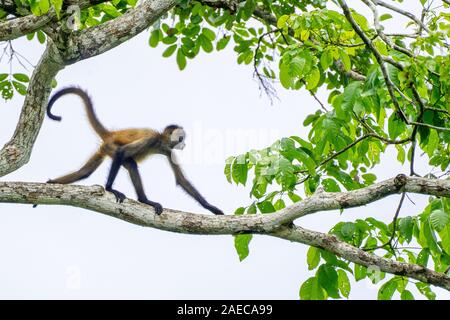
x=53, y=117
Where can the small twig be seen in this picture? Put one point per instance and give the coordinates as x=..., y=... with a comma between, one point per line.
x=262, y=80
x=402, y=12
x=368, y=135
x=409, y=198
x=394, y=228
x=315, y=97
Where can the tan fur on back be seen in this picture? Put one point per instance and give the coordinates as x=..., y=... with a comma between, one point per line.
x=122, y=137
x=126, y=136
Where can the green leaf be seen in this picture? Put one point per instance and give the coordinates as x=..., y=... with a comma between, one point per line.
x=205, y=43
x=395, y=126
x=343, y=283
x=227, y=169
x=155, y=37
x=239, y=211
x=423, y=256
x=3, y=76
x=352, y=93
x=425, y=289
x=169, y=40
x=313, y=258
x=241, y=242
x=330, y=185
x=312, y=79
x=387, y=290
x=222, y=43
x=279, y=204
x=385, y=16
x=345, y=60
x=439, y=219
x=326, y=59
x=266, y=207
x=294, y=197
x=445, y=238
x=360, y=272
x=405, y=226
x=328, y=279
x=311, y=290
x=21, y=77
x=57, y=4
x=209, y=34
x=41, y=37
x=20, y=88
x=6, y=89
x=348, y=229
x=169, y=51
x=181, y=60
x=430, y=237
x=44, y=5
x=407, y=295
x=361, y=20
x=378, y=224
x=282, y=21
x=239, y=170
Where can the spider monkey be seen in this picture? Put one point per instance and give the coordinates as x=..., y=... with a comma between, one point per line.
x=126, y=148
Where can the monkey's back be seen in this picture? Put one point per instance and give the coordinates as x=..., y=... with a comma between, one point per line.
x=126, y=136
x=118, y=138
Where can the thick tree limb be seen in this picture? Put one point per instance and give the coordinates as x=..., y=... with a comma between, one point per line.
x=15, y=28
x=17, y=151
x=96, y=199
x=97, y=40
x=22, y=25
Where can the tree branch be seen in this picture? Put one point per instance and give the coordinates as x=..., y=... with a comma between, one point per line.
x=17, y=151
x=106, y=36
x=20, y=26
x=15, y=28
x=96, y=199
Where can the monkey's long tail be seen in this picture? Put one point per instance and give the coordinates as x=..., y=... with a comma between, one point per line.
x=93, y=120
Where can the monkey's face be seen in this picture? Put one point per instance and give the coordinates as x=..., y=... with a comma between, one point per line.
x=177, y=139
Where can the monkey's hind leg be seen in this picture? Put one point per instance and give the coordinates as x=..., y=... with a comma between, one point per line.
x=132, y=168
x=115, y=166
x=91, y=165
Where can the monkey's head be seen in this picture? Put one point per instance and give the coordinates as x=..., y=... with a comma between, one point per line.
x=174, y=135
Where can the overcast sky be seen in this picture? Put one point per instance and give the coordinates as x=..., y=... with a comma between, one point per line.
x=63, y=252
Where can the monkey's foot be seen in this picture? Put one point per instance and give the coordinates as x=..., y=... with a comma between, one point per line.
x=119, y=195
x=158, y=207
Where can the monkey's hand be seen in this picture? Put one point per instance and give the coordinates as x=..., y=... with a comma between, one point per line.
x=214, y=209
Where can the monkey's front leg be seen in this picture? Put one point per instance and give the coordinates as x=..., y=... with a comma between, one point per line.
x=115, y=166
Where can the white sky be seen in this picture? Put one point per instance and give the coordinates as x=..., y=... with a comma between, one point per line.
x=69, y=253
